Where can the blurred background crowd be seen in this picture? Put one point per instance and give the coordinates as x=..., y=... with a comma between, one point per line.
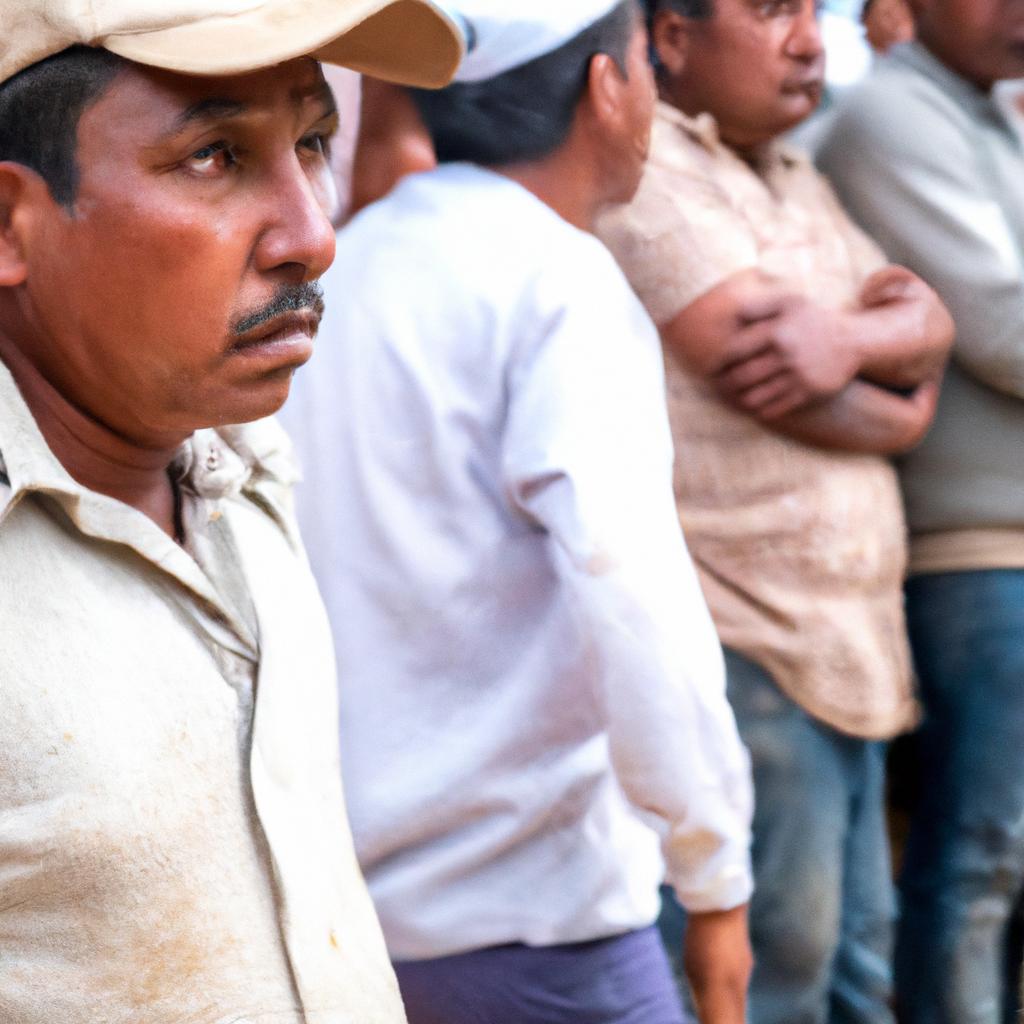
x=832, y=191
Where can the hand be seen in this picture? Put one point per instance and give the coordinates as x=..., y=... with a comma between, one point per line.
x=911, y=331
x=705, y=334
x=891, y=284
x=789, y=353
x=718, y=963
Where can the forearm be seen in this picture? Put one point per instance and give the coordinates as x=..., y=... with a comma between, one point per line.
x=903, y=333
x=865, y=418
x=718, y=963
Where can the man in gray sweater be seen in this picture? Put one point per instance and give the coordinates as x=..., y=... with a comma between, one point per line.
x=923, y=157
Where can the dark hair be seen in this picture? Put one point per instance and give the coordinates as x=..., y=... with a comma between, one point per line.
x=40, y=108
x=527, y=113
x=697, y=9
x=687, y=8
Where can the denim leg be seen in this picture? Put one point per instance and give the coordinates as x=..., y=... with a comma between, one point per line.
x=965, y=853
x=862, y=973
x=800, y=824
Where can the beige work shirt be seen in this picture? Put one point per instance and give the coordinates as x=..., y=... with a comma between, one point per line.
x=801, y=551
x=173, y=841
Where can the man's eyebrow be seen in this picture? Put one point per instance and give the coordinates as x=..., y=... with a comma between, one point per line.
x=212, y=109
x=218, y=108
x=321, y=92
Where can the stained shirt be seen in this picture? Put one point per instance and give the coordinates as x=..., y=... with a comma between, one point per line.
x=525, y=657
x=173, y=842
x=801, y=551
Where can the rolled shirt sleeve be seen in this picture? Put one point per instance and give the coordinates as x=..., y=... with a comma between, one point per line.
x=587, y=457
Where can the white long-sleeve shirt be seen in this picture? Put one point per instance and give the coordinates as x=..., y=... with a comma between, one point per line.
x=525, y=656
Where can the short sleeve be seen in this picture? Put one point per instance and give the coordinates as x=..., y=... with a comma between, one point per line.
x=677, y=239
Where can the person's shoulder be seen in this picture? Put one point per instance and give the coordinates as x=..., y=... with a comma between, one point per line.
x=681, y=142
x=898, y=102
x=581, y=265
x=455, y=222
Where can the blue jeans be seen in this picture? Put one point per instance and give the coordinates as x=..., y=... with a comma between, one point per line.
x=964, y=865
x=822, y=914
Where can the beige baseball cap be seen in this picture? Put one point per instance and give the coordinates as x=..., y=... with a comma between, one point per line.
x=414, y=42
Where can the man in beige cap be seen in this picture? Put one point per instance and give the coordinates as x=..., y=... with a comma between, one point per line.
x=173, y=842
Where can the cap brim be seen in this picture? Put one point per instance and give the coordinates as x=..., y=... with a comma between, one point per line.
x=411, y=42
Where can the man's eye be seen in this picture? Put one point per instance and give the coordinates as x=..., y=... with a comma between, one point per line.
x=212, y=160
x=317, y=142
x=777, y=8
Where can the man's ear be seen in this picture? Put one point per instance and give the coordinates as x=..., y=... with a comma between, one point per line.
x=19, y=190
x=670, y=38
x=607, y=89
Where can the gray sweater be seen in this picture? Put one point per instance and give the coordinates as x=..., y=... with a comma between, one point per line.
x=930, y=167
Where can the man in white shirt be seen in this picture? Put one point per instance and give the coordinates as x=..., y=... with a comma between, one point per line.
x=173, y=842
x=525, y=655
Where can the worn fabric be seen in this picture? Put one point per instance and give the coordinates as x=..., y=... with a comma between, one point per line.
x=963, y=872
x=173, y=843
x=801, y=551
x=964, y=550
x=821, y=917
x=821, y=920
x=931, y=167
x=621, y=980
x=520, y=631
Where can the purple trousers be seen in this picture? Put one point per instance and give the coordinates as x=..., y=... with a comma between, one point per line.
x=622, y=980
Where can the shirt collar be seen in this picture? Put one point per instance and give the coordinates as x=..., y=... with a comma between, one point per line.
x=703, y=129
x=214, y=465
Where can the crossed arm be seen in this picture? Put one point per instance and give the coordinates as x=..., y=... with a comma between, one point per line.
x=862, y=379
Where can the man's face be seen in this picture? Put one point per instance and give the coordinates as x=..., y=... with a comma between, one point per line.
x=981, y=39
x=757, y=65
x=180, y=291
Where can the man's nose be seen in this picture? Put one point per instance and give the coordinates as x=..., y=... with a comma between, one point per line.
x=804, y=42
x=298, y=233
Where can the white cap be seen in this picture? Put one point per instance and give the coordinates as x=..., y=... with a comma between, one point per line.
x=505, y=34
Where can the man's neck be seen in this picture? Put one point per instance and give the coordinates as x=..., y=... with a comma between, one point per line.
x=97, y=457
x=564, y=183
x=951, y=58
x=750, y=151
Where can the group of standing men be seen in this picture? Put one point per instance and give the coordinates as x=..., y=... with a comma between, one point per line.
x=537, y=722
x=799, y=360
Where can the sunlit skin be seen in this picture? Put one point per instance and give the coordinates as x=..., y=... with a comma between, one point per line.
x=200, y=201
x=758, y=66
x=983, y=40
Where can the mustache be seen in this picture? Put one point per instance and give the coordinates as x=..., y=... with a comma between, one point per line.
x=289, y=298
